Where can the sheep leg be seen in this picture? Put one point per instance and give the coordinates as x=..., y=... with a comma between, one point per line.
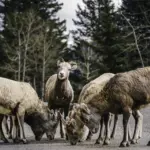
x=126, y=116
x=23, y=138
x=138, y=126
x=6, y=124
x=141, y=126
x=89, y=136
x=114, y=126
x=61, y=125
x=20, y=135
x=129, y=133
x=100, y=138
x=66, y=110
x=11, y=127
x=107, y=118
x=2, y=135
x=16, y=130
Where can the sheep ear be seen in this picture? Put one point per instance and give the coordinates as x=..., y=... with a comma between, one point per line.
x=73, y=65
x=60, y=61
x=84, y=108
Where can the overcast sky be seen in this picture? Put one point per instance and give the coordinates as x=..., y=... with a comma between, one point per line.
x=68, y=11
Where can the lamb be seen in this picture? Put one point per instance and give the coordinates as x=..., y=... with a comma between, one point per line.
x=124, y=93
x=58, y=89
x=89, y=91
x=18, y=99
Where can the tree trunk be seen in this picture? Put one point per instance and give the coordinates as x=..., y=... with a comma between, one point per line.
x=19, y=56
x=19, y=65
x=43, y=73
x=24, y=63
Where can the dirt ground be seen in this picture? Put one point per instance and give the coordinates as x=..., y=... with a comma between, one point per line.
x=61, y=144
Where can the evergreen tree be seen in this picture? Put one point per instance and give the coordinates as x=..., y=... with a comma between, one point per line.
x=97, y=22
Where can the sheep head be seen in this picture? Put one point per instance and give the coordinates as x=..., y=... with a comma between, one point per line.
x=43, y=122
x=85, y=115
x=74, y=127
x=64, y=69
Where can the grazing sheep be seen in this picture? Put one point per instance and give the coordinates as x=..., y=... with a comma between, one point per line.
x=18, y=98
x=88, y=92
x=75, y=129
x=124, y=93
x=58, y=90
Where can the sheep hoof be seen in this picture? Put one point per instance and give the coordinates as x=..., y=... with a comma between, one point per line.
x=148, y=144
x=89, y=138
x=128, y=144
x=16, y=140
x=124, y=144
x=106, y=142
x=6, y=141
x=24, y=141
x=134, y=141
x=99, y=142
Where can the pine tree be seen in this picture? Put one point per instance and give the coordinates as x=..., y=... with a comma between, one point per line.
x=97, y=22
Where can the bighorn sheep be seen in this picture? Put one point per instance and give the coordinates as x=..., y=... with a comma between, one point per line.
x=89, y=91
x=58, y=90
x=75, y=129
x=19, y=98
x=124, y=93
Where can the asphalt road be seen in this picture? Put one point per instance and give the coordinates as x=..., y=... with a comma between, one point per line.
x=61, y=144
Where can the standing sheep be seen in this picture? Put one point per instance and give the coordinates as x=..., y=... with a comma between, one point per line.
x=18, y=98
x=58, y=90
x=124, y=93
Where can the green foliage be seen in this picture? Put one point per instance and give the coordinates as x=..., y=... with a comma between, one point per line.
x=137, y=12
x=33, y=37
x=97, y=25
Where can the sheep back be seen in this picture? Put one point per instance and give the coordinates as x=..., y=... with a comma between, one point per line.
x=14, y=92
x=94, y=87
x=129, y=88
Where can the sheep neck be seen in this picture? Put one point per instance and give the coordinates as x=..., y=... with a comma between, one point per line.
x=99, y=106
x=61, y=86
x=94, y=112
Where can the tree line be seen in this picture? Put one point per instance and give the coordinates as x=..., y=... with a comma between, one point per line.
x=106, y=39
